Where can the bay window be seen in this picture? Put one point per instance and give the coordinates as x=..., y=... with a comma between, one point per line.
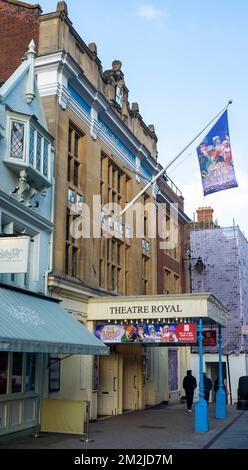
x=30, y=147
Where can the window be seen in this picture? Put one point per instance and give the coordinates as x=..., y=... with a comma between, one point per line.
x=71, y=248
x=3, y=372
x=173, y=238
x=74, y=156
x=145, y=274
x=54, y=373
x=113, y=272
x=172, y=282
x=67, y=256
x=16, y=379
x=45, y=158
x=76, y=149
x=68, y=220
x=38, y=151
x=31, y=145
x=113, y=278
x=74, y=260
x=17, y=140
x=76, y=170
x=30, y=372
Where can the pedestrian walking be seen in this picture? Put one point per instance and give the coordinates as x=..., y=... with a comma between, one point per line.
x=189, y=385
x=207, y=382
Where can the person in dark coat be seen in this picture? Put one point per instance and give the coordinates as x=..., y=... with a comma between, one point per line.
x=189, y=385
x=207, y=387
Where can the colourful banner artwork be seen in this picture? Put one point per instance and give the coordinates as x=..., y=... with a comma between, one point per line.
x=161, y=333
x=215, y=159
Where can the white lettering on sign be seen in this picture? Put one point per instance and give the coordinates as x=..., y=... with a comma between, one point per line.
x=145, y=309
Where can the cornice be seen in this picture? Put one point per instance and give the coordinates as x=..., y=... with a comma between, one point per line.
x=63, y=62
x=21, y=211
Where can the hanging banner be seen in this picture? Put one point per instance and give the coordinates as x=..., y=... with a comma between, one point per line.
x=215, y=158
x=159, y=333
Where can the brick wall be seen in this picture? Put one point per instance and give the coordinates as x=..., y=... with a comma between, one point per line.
x=19, y=23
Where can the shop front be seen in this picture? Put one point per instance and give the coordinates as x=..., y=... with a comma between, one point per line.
x=149, y=339
x=34, y=327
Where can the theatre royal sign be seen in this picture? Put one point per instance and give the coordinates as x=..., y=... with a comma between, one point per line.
x=157, y=307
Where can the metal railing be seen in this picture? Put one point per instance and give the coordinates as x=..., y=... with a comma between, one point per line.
x=172, y=185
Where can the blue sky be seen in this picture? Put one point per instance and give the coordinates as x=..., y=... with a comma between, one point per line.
x=182, y=60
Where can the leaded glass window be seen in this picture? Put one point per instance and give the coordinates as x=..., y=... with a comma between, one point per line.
x=31, y=146
x=45, y=158
x=38, y=152
x=17, y=140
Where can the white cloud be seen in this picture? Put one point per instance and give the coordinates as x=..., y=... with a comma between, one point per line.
x=151, y=13
x=228, y=205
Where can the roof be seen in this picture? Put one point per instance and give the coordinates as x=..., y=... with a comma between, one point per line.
x=31, y=323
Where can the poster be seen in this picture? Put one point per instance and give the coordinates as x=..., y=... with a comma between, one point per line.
x=147, y=333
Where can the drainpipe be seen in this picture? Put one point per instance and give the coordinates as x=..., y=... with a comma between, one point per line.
x=220, y=394
x=229, y=378
x=50, y=265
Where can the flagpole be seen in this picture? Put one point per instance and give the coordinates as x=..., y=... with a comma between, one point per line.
x=171, y=162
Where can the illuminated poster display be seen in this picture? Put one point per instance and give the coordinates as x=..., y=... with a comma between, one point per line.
x=160, y=333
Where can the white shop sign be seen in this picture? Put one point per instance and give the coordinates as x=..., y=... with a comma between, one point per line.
x=14, y=255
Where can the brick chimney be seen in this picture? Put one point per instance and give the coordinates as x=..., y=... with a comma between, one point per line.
x=205, y=216
x=19, y=24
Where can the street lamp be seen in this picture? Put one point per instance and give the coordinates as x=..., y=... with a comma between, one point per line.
x=199, y=266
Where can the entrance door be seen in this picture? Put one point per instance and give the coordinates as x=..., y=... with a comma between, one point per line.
x=130, y=383
x=212, y=369
x=108, y=386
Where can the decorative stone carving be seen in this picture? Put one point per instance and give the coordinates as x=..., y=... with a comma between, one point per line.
x=24, y=192
x=62, y=7
x=135, y=107
x=30, y=87
x=116, y=65
x=93, y=47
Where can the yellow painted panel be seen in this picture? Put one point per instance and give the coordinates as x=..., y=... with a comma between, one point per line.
x=62, y=416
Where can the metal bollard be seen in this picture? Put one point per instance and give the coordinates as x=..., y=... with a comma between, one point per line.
x=37, y=430
x=85, y=437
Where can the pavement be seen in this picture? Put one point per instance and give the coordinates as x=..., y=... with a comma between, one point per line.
x=160, y=427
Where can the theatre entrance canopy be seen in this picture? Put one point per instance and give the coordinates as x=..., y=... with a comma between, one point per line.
x=179, y=307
